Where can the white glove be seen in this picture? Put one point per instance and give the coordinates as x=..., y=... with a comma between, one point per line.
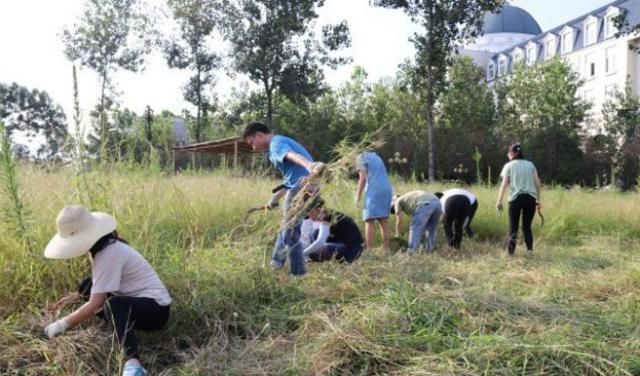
x=56, y=328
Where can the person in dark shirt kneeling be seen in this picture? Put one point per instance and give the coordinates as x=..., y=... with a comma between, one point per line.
x=338, y=236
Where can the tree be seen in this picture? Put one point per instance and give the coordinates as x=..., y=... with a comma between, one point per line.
x=538, y=107
x=447, y=24
x=33, y=114
x=466, y=113
x=111, y=35
x=273, y=43
x=197, y=20
x=622, y=121
x=627, y=26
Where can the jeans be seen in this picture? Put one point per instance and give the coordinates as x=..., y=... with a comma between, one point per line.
x=524, y=204
x=288, y=241
x=425, y=220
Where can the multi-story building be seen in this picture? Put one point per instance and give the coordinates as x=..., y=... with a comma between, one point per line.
x=588, y=43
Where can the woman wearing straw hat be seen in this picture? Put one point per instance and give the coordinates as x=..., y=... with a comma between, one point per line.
x=124, y=286
x=524, y=196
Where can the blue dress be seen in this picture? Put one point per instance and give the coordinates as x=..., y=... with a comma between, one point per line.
x=377, y=193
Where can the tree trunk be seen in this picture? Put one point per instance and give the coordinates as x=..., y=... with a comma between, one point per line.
x=268, y=89
x=199, y=105
x=103, y=119
x=430, y=101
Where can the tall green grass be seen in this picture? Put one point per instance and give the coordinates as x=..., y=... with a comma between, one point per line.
x=572, y=309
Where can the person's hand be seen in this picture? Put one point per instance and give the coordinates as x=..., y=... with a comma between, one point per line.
x=538, y=205
x=499, y=207
x=356, y=199
x=56, y=328
x=317, y=168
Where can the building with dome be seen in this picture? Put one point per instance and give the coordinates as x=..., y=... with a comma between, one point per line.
x=588, y=43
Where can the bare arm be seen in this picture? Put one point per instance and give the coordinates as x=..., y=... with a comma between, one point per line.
x=361, y=183
x=398, y=223
x=276, y=198
x=536, y=179
x=503, y=188
x=299, y=160
x=87, y=310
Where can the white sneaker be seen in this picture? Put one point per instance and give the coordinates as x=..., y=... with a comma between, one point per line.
x=276, y=265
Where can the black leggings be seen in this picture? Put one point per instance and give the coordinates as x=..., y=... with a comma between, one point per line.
x=524, y=204
x=126, y=313
x=458, y=214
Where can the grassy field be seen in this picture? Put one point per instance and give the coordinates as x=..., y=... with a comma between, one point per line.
x=571, y=309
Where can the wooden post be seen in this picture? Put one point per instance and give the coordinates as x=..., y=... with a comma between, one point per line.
x=173, y=162
x=235, y=156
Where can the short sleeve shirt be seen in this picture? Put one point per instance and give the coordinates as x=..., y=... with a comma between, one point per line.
x=291, y=172
x=520, y=173
x=120, y=270
x=409, y=202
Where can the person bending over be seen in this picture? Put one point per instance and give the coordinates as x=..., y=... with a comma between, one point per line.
x=425, y=211
x=459, y=207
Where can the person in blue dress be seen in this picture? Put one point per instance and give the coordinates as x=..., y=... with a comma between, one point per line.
x=374, y=183
x=295, y=163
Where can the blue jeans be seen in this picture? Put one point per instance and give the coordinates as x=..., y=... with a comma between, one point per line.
x=339, y=251
x=288, y=240
x=425, y=220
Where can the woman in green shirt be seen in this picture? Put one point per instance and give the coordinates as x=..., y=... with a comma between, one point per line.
x=524, y=195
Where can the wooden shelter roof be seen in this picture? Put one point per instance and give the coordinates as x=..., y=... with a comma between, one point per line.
x=231, y=145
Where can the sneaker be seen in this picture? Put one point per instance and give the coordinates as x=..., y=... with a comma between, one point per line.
x=529, y=252
x=134, y=370
x=276, y=264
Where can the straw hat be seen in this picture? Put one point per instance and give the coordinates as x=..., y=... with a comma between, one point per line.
x=78, y=231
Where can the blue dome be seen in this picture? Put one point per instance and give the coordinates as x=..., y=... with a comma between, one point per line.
x=510, y=19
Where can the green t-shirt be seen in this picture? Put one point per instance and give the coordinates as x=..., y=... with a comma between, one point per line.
x=521, y=178
x=409, y=202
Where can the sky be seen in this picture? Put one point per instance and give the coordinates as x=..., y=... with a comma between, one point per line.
x=31, y=53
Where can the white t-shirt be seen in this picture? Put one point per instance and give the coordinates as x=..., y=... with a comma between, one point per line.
x=121, y=270
x=306, y=232
x=455, y=192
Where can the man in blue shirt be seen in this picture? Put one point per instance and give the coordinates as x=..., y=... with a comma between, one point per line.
x=295, y=163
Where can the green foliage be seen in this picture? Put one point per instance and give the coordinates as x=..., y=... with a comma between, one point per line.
x=188, y=48
x=445, y=24
x=274, y=44
x=538, y=107
x=15, y=212
x=622, y=121
x=33, y=114
x=111, y=35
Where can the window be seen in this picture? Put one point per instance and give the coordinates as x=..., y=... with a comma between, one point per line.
x=491, y=71
x=567, y=41
x=532, y=54
x=549, y=48
x=610, y=28
x=610, y=60
x=590, y=66
x=517, y=56
x=502, y=66
x=590, y=31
